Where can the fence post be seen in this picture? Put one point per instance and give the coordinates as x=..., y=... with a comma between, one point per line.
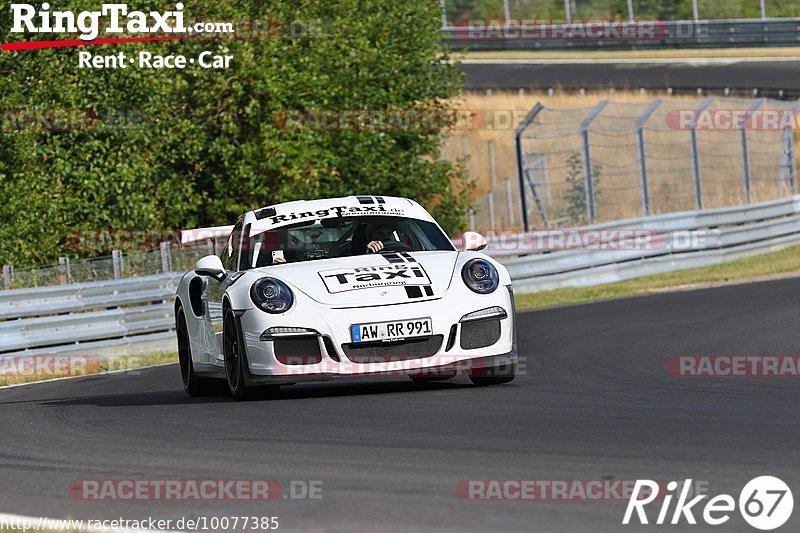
x=698, y=184
x=509, y=202
x=640, y=147
x=490, y=199
x=8, y=276
x=116, y=260
x=65, y=274
x=471, y=219
x=166, y=256
x=492, y=165
x=567, y=11
x=743, y=142
x=444, y=13
x=521, y=165
x=588, y=178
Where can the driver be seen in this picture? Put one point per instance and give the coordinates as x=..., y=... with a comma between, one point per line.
x=378, y=236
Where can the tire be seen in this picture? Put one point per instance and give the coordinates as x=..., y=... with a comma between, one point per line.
x=236, y=365
x=193, y=385
x=493, y=375
x=234, y=358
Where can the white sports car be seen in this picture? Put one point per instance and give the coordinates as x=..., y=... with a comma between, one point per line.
x=363, y=285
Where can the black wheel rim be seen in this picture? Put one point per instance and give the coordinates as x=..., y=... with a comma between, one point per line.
x=184, y=352
x=231, y=354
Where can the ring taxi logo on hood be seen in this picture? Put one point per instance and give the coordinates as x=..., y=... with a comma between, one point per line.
x=349, y=279
x=87, y=23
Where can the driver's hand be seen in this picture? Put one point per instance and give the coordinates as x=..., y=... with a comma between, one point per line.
x=278, y=260
x=374, y=247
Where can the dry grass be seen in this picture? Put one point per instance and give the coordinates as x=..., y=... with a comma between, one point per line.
x=671, y=184
x=31, y=369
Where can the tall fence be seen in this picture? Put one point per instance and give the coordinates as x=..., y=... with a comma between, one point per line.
x=617, y=160
x=119, y=265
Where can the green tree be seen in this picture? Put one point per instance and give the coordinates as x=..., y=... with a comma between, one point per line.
x=177, y=148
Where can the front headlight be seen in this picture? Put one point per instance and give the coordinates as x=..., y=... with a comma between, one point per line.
x=480, y=276
x=271, y=295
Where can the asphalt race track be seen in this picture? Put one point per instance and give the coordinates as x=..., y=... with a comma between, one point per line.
x=740, y=76
x=596, y=402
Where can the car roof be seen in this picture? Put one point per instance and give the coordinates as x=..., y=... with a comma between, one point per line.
x=291, y=212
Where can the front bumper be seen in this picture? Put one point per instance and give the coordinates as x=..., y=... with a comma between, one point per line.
x=334, y=324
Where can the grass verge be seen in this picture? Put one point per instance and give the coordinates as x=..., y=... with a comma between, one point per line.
x=29, y=369
x=760, y=267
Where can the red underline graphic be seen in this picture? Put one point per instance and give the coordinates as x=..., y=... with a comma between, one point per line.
x=8, y=47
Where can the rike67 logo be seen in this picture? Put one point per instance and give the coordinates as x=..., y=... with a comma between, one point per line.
x=765, y=503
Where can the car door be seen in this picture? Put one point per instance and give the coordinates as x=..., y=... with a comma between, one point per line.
x=216, y=288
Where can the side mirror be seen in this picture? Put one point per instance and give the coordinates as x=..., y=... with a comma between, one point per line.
x=472, y=241
x=210, y=265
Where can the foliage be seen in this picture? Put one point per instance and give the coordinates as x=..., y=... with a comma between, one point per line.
x=575, y=194
x=175, y=148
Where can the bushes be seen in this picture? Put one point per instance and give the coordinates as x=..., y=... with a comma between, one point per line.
x=177, y=148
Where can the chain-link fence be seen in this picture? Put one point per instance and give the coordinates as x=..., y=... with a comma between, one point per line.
x=120, y=264
x=620, y=160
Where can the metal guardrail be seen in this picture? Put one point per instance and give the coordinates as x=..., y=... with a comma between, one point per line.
x=683, y=240
x=118, y=316
x=102, y=318
x=581, y=35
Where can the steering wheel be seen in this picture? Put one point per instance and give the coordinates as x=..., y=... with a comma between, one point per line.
x=395, y=246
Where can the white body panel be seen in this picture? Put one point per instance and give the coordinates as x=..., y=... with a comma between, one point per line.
x=328, y=301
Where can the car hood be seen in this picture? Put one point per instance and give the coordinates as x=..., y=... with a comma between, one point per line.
x=371, y=279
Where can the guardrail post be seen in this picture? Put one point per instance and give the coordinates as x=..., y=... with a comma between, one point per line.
x=640, y=147
x=116, y=260
x=166, y=256
x=509, y=202
x=8, y=276
x=588, y=177
x=698, y=184
x=790, y=161
x=64, y=273
x=521, y=160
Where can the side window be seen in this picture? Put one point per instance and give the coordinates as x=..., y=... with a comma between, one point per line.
x=230, y=255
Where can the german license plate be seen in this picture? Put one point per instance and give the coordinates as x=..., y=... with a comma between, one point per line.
x=391, y=331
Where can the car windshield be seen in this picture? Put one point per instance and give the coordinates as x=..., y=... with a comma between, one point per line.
x=342, y=237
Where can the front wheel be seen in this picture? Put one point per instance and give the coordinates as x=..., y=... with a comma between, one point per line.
x=235, y=363
x=493, y=375
x=193, y=385
x=234, y=359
